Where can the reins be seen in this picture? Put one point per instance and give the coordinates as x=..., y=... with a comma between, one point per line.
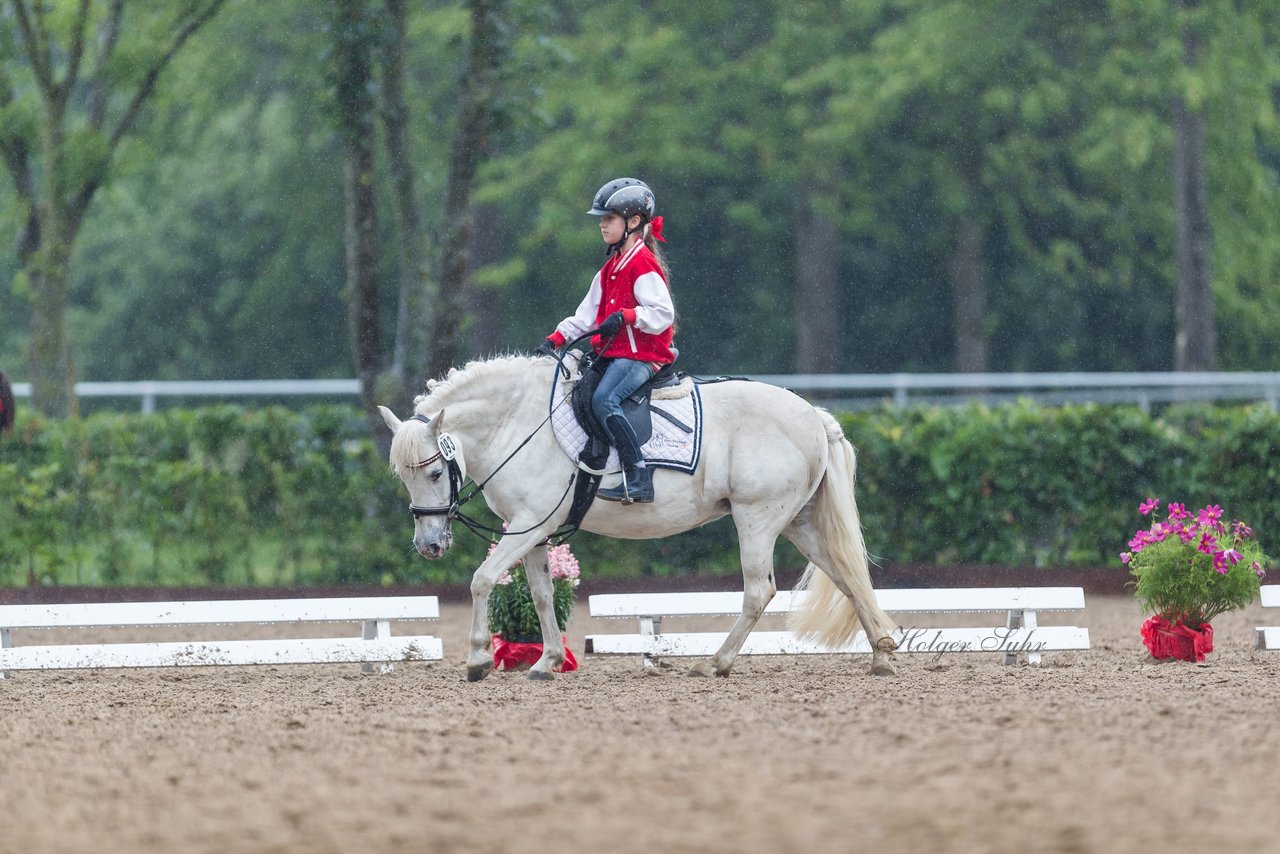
x=477, y=527
x=561, y=369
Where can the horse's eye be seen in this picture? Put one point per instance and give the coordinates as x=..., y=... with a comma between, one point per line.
x=435, y=475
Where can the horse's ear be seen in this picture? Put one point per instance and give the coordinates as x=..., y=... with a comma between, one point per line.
x=390, y=417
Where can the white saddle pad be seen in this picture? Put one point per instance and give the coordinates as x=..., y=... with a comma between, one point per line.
x=668, y=447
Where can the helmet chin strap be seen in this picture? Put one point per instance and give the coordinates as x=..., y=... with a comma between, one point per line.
x=627, y=231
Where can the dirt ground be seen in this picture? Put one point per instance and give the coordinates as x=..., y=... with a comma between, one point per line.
x=1103, y=750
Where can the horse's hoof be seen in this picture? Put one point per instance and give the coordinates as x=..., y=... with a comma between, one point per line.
x=701, y=669
x=540, y=676
x=477, y=672
x=882, y=658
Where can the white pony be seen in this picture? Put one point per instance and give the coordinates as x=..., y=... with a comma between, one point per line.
x=775, y=463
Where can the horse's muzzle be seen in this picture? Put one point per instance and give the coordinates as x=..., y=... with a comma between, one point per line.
x=432, y=548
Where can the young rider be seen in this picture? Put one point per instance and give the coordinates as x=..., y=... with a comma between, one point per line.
x=630, y=301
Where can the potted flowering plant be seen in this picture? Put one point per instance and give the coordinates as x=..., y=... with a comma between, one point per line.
x=1188, y=569
x=513, y=619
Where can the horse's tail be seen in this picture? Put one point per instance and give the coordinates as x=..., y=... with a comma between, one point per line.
x=828, y=616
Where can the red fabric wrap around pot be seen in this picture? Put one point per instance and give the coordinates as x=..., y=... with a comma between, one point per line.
x=1174, y=640
x=512, y=655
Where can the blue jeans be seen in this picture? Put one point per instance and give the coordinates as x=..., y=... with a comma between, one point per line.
x=621, y=378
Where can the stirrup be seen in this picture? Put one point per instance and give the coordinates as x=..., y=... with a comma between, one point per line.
x=616, y=493
x=636, y=488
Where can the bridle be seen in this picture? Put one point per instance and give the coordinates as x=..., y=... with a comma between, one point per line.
x=448, y=450
x=453, y=510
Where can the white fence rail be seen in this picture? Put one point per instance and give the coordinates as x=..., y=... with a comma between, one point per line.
x=838, y=391
x=1021, y=634
x=374, y=649
x=150, y=390
x=851, y=391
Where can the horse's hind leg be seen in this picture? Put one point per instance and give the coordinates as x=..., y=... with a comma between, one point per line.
x=756, y=538
x=805, y=536
x=543, y=593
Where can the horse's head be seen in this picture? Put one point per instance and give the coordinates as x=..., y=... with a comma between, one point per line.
x=432, y=469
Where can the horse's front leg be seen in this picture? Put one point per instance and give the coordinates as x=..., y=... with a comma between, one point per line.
x=509, y=550
x=543, y=592
x=758, y=589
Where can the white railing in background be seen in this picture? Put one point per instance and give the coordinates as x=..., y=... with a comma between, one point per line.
x=1143, y=389
x=149, y=390
x=837, y=391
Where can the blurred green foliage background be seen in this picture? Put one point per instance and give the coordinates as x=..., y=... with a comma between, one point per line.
x=229, y=496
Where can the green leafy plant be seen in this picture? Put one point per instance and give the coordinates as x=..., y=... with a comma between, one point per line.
x=1190, y=568
x=512, y=615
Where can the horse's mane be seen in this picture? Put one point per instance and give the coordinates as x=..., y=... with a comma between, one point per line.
x=410, y=445
x=463, y=381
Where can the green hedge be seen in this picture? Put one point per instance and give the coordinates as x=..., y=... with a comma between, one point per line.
x=232, y=496
x=217, y=495
x=1028, y=485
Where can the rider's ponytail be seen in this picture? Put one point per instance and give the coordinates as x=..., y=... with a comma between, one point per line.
x=650, y=239
x=650, y=236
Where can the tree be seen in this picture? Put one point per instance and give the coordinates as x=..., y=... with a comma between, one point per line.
x=818, y=316
x=683, y=100
x=413, y=309
x=355, y=31
x=924, y=85
x=1196, y=342
x=1235, y=82
x=87, y=100
x=359, y=35
x=478, y=94
x=1008, y=156
x=201, y=259
x=831, y=174
x=1190, y=84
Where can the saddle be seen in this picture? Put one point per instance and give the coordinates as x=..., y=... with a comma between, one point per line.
x=583, y=438
x=635, y=408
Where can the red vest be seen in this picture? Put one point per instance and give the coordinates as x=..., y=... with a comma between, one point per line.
x=617, y=293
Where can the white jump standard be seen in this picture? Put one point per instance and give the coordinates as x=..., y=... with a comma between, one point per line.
x=1268, y=637
x=1021, y=634
x=375, y=648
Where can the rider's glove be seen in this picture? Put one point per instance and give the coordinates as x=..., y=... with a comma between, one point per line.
x=611, y=325
x=546, y=348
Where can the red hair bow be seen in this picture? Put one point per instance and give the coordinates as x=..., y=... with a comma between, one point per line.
x=655, y=227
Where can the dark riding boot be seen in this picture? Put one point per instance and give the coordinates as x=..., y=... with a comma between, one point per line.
x=638, y=483
x=636, y=487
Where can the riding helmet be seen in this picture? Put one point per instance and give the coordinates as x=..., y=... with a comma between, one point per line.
x=625, y=197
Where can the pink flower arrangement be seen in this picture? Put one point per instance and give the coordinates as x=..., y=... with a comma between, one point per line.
x=1205, y=529
x=512, y=615
x=1190, y=567
x=560, y=563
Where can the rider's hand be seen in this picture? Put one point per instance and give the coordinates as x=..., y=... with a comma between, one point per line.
x=546, y=348
x=611, y=325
